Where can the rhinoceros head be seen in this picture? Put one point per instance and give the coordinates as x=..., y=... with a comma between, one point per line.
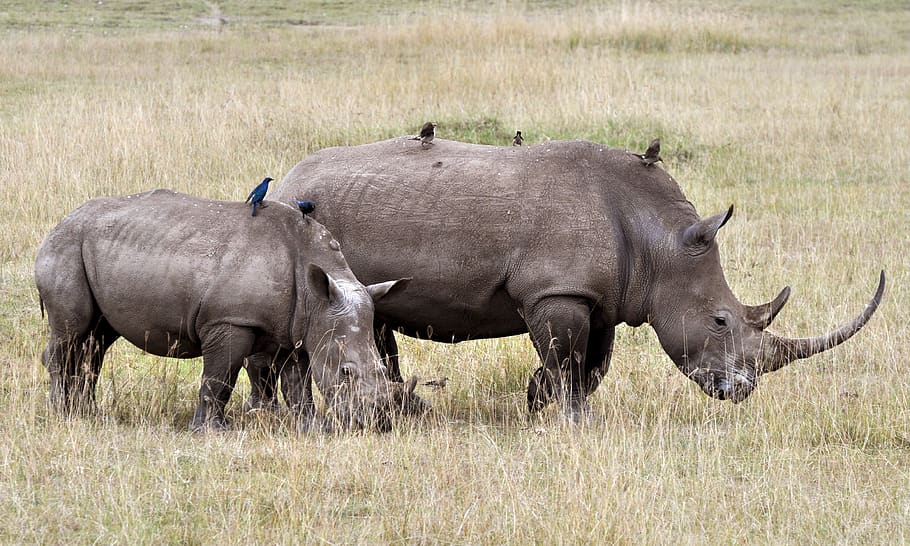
x=716, y=341
x=344, y=361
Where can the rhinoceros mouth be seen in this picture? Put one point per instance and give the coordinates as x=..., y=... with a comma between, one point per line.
x=732, y=386
x=356, y=415
x=350, y=419
x=354, y=410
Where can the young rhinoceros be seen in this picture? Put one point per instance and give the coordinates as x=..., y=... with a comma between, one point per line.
x=183, y=277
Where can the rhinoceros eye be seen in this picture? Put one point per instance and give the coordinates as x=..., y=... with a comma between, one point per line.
x=720, y=322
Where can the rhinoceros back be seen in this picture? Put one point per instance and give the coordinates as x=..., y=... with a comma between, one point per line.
x=482, y=229
x=159, y=262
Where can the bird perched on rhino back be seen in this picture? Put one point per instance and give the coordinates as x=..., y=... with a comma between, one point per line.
x=517, y=139
x=306, y=207
x=427, y=134
x=652, y=154
x=258, y=194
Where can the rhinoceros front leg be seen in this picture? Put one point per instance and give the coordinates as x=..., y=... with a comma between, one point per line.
x=223, y=349
x=559, y=328
x=600, y=351
x=297, y=389
x=260, y=368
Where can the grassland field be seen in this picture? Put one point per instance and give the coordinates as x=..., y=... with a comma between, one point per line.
x=799, y=114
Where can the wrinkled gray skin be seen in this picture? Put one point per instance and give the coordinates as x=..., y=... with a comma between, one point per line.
x=564, y=240
x=183, y=277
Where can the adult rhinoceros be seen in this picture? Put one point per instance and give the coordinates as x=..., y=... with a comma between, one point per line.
x=183, y=277
x=564, y=240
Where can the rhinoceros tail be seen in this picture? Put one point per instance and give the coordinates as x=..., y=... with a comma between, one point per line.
x=41, y=305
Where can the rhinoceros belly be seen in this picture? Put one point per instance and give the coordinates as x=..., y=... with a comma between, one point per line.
x=152, y=306
x=441, y=315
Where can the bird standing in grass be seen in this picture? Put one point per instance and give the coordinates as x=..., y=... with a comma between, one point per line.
x=652, y=154
x=258, y=194
x=437, y=383
x=427, y=134
x=517, y=139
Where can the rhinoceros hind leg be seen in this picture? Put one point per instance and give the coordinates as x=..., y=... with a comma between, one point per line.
x=74, y=364
x=388, y=351
x=62, y=357
x=86, y=379
x=559, y=328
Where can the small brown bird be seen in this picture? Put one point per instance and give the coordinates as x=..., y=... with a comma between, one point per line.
x=427, y=134
x=517, y=139
x=652, y=154
x=437, y=383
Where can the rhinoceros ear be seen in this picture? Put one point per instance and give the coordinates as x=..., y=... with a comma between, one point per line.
x=698, y=237
x=380, y=290
x=322, y=285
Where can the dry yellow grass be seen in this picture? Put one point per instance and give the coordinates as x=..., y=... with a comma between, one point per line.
x=798, y=115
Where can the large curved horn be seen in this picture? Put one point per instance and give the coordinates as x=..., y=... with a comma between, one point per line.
x=781, y=351
x=760, y=316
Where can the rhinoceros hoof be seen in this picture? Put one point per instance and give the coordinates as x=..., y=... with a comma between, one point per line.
x=577, y=413
x=255, y=403
x=209, y=425
x=314, y=425
x=540, y=390
x=80, y=407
